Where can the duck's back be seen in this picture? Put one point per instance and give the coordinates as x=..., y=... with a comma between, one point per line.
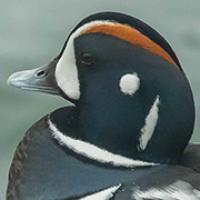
x=191, y=157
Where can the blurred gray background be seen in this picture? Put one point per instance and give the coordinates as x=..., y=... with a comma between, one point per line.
x=33, y=32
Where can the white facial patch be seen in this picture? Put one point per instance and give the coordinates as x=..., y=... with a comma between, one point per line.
x=95, y=153
x=103, y=195
x=150, y=124
x=179, y=190
x=66, y=73
x=129, y=84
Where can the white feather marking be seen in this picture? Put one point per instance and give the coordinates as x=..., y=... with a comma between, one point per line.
x=66, y=73
x=95, y=153
x=129, y=83
x=179, y=190
x=150, y=125
x=103, y=195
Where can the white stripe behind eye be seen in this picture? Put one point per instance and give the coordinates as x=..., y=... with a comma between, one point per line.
x=103, y=195
x=150, y=125
x=95, y=153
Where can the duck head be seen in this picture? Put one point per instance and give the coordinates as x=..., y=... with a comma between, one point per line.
x=131, y=94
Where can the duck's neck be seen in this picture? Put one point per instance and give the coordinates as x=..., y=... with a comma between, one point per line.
x=67, y=131
x=113, y=123
x=41, y=161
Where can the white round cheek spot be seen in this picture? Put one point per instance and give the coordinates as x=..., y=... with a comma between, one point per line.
x=129, y=84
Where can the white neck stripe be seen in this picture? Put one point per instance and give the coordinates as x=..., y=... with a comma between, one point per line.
x=95, y=153
x=150, y=124
x=103, y=195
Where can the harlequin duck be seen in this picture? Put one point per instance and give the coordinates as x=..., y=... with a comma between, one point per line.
x=132, y=118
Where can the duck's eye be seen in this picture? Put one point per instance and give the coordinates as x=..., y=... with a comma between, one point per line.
x=86, y=59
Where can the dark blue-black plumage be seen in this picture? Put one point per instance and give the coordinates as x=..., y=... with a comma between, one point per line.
x=44, y=168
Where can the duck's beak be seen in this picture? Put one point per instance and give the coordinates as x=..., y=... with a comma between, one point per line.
x=40, y=79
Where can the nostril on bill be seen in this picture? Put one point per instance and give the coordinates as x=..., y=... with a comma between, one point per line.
x=40, y=74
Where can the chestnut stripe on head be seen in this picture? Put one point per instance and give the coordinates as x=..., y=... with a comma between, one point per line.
x=131, y=35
